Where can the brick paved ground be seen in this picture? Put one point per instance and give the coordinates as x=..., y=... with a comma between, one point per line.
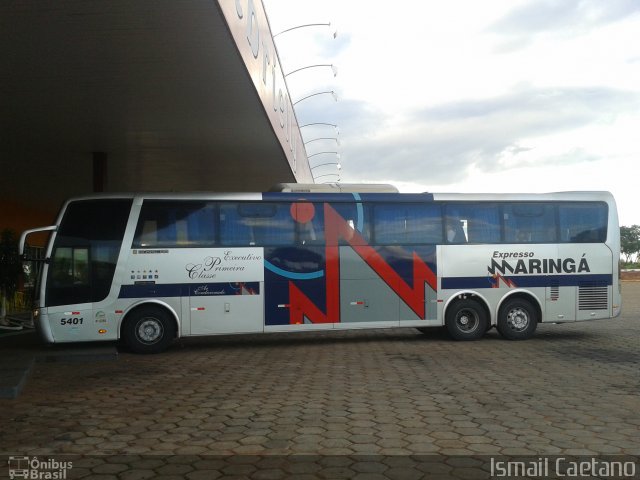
x=368, y=404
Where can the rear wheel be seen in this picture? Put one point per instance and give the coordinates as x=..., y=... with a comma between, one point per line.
x=517, y=320
x=466, y=320
x=148, y=329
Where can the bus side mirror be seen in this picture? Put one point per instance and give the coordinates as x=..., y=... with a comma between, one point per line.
x=22, y=244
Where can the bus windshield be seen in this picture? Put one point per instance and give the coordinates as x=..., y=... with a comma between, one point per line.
x=86, y=251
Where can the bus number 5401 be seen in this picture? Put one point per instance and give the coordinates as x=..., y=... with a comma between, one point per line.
x=71, y=321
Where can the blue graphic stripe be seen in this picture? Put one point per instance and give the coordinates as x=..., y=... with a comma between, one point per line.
x=293, y=275
x=164, y=290
x=459, y=283
x=154, y=290
x=526, y=281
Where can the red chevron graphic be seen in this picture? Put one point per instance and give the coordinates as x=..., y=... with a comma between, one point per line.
x=497, y=277
x=301, y=306
x=337, y=228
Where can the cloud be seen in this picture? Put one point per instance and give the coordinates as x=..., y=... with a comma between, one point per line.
x=577, y=104
x=560, y=16
x=444, y=143
x=357, y=123
x=355, y=118
x=333, y=48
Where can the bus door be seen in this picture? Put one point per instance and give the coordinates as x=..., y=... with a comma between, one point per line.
x=228, y=293
x=232, y=307
x=69, y=290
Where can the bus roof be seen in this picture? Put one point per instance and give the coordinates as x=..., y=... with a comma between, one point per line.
x=337, y=196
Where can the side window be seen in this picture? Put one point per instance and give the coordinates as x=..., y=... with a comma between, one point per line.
x=176, y=224
x=406, y=224
x=530, y=223
x=234, y=229
x=256, y=223
x=309, y=221
x=472, y=223
x=583, y=222
x=354, y=214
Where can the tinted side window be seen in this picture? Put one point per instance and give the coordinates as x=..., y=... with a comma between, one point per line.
x=355, y=215
x=256, y=223
x=172, y=224
x=530, y=223
x=309, y=220
x=473, y=223
x=406, y=224
x=583, y=222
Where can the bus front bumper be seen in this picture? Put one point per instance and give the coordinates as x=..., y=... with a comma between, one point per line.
x=41, y=322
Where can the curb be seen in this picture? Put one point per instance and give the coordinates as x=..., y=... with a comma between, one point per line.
x=17, y=362
x=14, y=376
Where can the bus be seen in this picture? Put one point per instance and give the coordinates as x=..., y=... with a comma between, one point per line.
x=147, y=269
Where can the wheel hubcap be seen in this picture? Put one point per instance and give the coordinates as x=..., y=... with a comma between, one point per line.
x=518, y=319
x=467, y=321
x=149, y=330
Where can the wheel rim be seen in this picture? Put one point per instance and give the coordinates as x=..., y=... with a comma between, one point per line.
x=518, y=319
x=149, y=330
x=467, y=320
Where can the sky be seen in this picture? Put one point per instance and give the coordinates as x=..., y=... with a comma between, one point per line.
x=470, y=96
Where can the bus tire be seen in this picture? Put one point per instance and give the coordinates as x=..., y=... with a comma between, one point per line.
x=466, y=320
x=148, y=329
x=517, y=319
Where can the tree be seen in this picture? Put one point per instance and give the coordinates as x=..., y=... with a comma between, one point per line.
x=630, y=241
x=10, y=268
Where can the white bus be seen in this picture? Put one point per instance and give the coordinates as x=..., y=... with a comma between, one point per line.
x=149, y=268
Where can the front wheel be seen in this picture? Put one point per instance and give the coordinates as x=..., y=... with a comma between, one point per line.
x=517, y=320
x=466, y=320
x=148, y=330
